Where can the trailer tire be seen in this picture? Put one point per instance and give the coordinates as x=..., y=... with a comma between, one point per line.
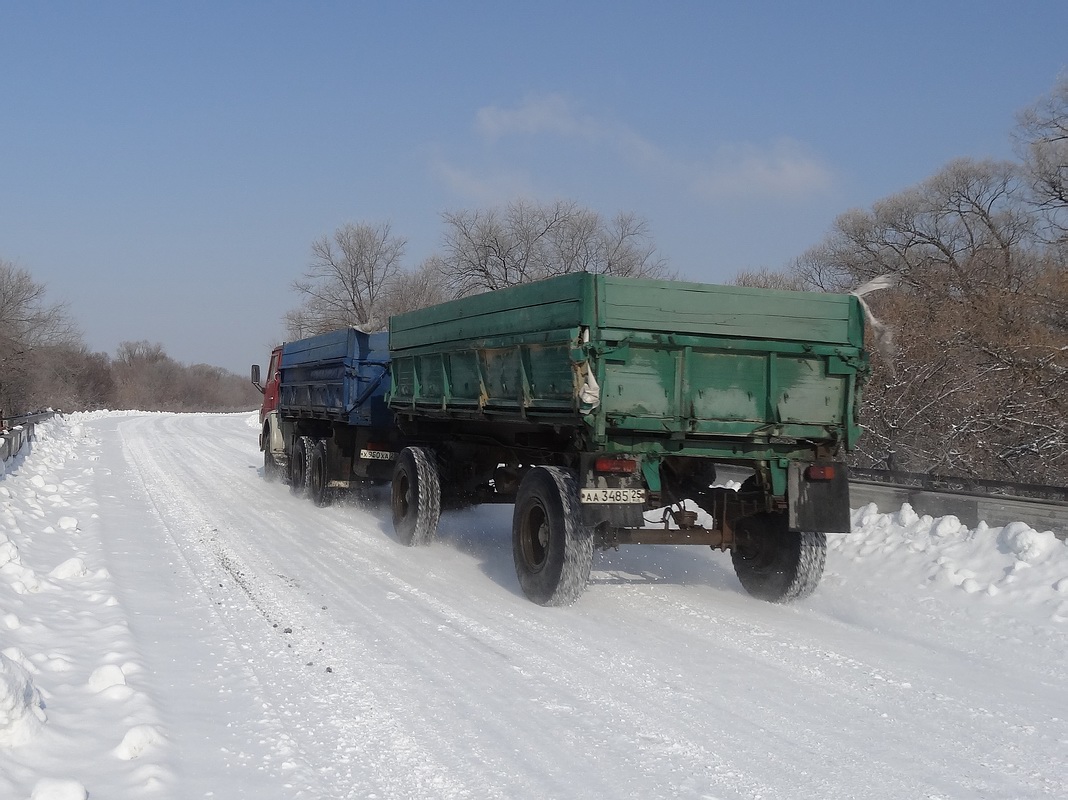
x=776, y=564
x=319, y=475
x=415, y=496
x=300, y=466
x=553, y=550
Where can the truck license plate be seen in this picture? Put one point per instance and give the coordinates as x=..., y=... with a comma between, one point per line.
x=378, y=455
x=613, y=495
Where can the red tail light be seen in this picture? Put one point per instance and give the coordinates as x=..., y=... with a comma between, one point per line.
x=820, y=472
x=615, y=465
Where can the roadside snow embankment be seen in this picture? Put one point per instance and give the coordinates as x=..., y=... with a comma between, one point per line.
x=68, y=719
x=1013, y=567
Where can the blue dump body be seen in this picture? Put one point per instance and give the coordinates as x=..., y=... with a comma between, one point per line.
x=342, y=375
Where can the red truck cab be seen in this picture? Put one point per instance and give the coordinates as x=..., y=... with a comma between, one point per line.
x=270, y=389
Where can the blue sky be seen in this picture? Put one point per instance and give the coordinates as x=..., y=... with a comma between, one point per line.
x=165, y=167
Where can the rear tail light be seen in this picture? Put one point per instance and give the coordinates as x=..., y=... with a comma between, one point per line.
x=820, y=472
x=624, y=466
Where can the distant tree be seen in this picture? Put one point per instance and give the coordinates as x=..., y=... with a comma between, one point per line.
x=411, y=291
x=977, y=384
x=147, y=379
x=349, y=275
x=28, y=323
x=72, y=378
x=765, y=278
x=526, y=241
x=1042, y=143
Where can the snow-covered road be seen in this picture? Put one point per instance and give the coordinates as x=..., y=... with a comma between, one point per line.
x=174, y=626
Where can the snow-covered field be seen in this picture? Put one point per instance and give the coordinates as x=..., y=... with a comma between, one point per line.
x=172, y=626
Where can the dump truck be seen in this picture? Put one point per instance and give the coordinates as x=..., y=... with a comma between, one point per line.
x=324, y=423
x=602, y=407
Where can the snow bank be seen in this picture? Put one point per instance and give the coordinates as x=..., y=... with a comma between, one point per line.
x=63, y=634
x=1017, y=565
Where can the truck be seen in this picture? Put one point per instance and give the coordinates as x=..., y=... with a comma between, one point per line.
x=604, y=409
x=324, y=423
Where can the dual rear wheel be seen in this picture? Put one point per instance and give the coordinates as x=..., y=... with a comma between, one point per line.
x=309, y=471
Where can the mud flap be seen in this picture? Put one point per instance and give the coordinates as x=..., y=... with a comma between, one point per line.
x=819, y=497
x=620, y=515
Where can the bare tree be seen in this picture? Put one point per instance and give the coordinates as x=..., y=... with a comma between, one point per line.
x=526, y=241
x=977, y=384
x=147, y=379
x=422, y=288
x=28, y=323
x=26, y=320
x=348, y=276
x=1042, y=143
x=764, y=278
x=70, y=377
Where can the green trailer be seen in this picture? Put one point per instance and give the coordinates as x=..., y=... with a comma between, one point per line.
x=591, y=400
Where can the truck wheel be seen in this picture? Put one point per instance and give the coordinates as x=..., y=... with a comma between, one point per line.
x=318, y=475
x=776, y=564
x=553, y=551
x=271, y=470
x=299, y=466
x=416, y=496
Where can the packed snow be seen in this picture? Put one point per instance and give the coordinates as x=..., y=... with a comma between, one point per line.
x=174, y=626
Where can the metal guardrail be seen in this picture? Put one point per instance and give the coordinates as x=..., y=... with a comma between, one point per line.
x=957, y=485
x=16, y=431
x=1044, y=508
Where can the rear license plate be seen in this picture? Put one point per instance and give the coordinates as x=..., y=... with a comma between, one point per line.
x=612, y=495
x=377, y=455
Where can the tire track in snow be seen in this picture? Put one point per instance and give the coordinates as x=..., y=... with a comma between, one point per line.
x=533, y=678
x=349, y=755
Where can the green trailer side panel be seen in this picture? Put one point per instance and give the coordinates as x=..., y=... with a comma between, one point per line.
x=670, y=358
x=695, y=308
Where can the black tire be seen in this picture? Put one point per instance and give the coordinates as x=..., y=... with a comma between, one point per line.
x=271, y=471
x=776, y=564
x=553, y=551
x=300, y=466
x=319, y=475
x=415, y=496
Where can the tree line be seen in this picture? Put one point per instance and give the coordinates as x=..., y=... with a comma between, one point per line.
x=44, y=363
x=356, y=276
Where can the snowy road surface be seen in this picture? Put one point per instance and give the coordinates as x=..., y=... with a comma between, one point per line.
x=173, y=626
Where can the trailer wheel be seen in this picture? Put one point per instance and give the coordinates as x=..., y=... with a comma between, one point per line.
x=318, y=475
x=415, y=496
x=553, y=551
x=300, y=466
x=776, y=564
